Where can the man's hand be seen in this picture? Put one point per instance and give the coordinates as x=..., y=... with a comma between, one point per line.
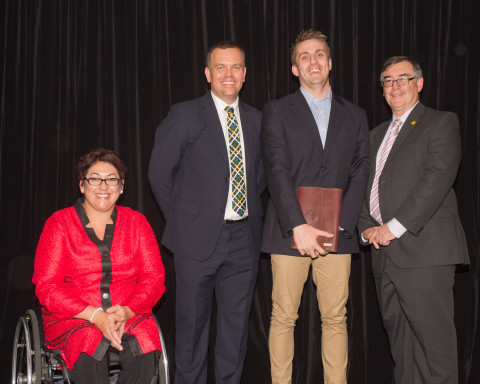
x=384, y=235
x=369, y=235
x=378, y=236
x=305, y=237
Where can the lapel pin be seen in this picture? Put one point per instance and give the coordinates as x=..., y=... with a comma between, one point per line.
x=413, y=122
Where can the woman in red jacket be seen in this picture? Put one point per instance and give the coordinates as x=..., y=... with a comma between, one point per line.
x=98, y=273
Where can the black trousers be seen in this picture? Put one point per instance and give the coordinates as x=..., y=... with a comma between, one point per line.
x=133, y=370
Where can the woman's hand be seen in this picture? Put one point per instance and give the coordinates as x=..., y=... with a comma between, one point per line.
x=124, y=312
x=110, y=323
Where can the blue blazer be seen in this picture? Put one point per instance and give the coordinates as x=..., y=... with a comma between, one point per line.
x=294, y=156
x=189, y=175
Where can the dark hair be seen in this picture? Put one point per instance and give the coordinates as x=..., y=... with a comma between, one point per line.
x=224, y=44
x=417, y=70
x=309, y=34
x=100, y=154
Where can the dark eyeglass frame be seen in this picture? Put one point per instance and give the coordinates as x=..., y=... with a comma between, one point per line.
x=404, y=80
x=111, y=181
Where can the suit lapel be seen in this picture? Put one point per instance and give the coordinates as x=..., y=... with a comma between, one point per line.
x=210, y=115
x=302, y=111
x=335, y=124
x=413, y=120
x=248, y=135
x=376, y=141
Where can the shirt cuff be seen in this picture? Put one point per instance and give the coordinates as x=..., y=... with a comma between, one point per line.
x=396, y=228
x=365, y=241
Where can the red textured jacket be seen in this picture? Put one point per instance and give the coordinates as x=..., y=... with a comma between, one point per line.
x=68, y=277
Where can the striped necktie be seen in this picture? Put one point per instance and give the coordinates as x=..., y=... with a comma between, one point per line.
x=374, y=200
x=237, y=172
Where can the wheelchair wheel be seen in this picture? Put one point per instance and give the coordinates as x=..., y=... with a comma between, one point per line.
x=164, y=376
x=163, y=372
x=27, y=354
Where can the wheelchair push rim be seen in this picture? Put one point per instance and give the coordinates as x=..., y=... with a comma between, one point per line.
x=26, y=354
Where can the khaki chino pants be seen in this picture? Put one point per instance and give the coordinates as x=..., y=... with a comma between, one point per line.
x=330, y=275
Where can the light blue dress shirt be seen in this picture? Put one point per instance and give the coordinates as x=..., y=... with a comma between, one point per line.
x=320, y=110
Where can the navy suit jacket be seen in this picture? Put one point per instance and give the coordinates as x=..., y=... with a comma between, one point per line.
x=415, y=187
x=189, y=175
x=293, y=156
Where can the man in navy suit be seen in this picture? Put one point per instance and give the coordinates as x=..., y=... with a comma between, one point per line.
x=311, y=138
x=207, y=176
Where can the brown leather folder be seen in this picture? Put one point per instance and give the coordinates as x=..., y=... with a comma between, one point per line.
x=321, y=209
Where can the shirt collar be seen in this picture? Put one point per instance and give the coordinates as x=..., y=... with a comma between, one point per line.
x=311, y=99
x=220, y=104
x=405, y=115
x=82, y=214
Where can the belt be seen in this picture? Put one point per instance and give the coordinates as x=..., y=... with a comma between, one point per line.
x=228, y=222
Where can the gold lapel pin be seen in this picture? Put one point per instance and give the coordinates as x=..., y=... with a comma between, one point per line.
x=413, y=122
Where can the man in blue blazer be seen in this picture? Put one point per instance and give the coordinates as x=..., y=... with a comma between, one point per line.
x=410, y=217
x=311, y=138
x=207, y=176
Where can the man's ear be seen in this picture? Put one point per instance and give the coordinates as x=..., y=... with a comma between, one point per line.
x=207, y=75
x=295, y=70
x=419, y=84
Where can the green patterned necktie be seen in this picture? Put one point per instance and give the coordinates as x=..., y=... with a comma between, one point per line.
x=237, y=172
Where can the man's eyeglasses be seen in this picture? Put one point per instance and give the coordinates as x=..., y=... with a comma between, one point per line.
x=96, y=181
x=400, y=81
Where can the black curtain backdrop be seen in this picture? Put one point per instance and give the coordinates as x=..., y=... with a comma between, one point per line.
x=76, y=75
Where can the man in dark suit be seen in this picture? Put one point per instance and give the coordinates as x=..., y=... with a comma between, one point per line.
x=410, y=217
x=207, y=176
x=317, y=139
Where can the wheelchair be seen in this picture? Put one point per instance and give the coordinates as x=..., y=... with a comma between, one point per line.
x=33, y=363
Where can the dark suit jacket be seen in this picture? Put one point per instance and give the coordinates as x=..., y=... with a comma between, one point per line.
x=415, y=187
x=293, y=156
x=189, y=175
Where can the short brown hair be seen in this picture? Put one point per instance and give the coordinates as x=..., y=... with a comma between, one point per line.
x=417, y=70
x=224, y=44
x=309, y=34
x=96, y=155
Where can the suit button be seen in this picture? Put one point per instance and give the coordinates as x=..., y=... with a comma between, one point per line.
x=323, y=167
x=222, y=210
x=225, y=179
